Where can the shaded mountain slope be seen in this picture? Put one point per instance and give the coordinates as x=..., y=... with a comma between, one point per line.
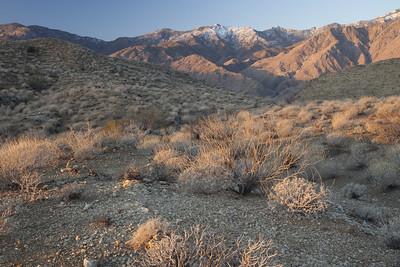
x=378, y=79
x=51, y=85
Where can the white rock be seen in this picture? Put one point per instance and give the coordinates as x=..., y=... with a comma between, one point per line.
x=90, y=263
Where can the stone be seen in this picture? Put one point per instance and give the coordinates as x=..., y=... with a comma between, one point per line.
x=90, y=263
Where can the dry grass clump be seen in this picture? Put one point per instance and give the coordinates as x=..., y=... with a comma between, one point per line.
x=285, y=128
x=171, y=158
x=87, y=143
x=21, y=159
x=147, y=231
x=289, y=111
x=391, y=233
x=305, y=116
x=83, y=144
x=182, y=140
x=300, y=195
x=385, y=123
x=328, y=106
x=195, y=247
x=151, y=141
x=345, y=118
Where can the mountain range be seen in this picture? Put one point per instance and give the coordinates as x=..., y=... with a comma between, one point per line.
x=243, y=59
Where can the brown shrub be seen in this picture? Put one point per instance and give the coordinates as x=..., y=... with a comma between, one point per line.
x=22, y=158
x=285, y=128
x=300, y=195
x=197, y=248
x=385, y=124
x=171, y=159
x=151, y=142
x=305, y=116
x=241, y=153
x=147, y=231
x=132, y=172
x=83, y=144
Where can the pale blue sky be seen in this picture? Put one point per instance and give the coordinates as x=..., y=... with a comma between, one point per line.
x=110, y=19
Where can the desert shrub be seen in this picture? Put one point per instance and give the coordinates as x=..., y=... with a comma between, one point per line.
x=285, y=128
x=171, y=159
x=81, y=143
x=154, y=171
x=305, y=116
x=101, y=221
x=150, y=118
x=385, y=123
x=23, y=158
x=300, y=195
x=114, y=128
x=328, y=169
x=145, y=232
x=289, y=111
x=31, y=49
x=132, y=172
x=337, y=140
x=328, y=106
x=72, y=192
x=206, y=179
x=151, y=142
x=181, y=140
x=345, y=118
x=358, y=158
x=195, y=247
x=385, y=172
x=38, y=83
x=241, y=155
x=369, y=214
x=391, y=233
x=354, y=191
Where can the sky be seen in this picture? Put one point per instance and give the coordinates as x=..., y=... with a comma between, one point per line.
x=106, y=19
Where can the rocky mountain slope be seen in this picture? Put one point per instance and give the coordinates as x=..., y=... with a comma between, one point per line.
x=335, y=48
x=51, y=85
x=221, y=53
x=243, y=59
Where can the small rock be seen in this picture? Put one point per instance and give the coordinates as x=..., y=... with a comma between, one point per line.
x=87, y=206
x=90, y=263
x=144, y=210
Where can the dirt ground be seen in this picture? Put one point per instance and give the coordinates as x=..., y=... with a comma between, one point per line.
x=62, y=232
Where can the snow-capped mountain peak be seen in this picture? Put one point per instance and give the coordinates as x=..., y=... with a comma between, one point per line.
x=389, y=16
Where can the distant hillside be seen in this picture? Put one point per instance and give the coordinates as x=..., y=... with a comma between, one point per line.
x=16, y=31
x=241, y=59
x=377, y=79
x=51, y=85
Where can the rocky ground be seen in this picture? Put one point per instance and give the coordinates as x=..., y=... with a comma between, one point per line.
x=63, y=229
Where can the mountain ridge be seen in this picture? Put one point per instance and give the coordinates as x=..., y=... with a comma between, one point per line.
x=242, y=58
